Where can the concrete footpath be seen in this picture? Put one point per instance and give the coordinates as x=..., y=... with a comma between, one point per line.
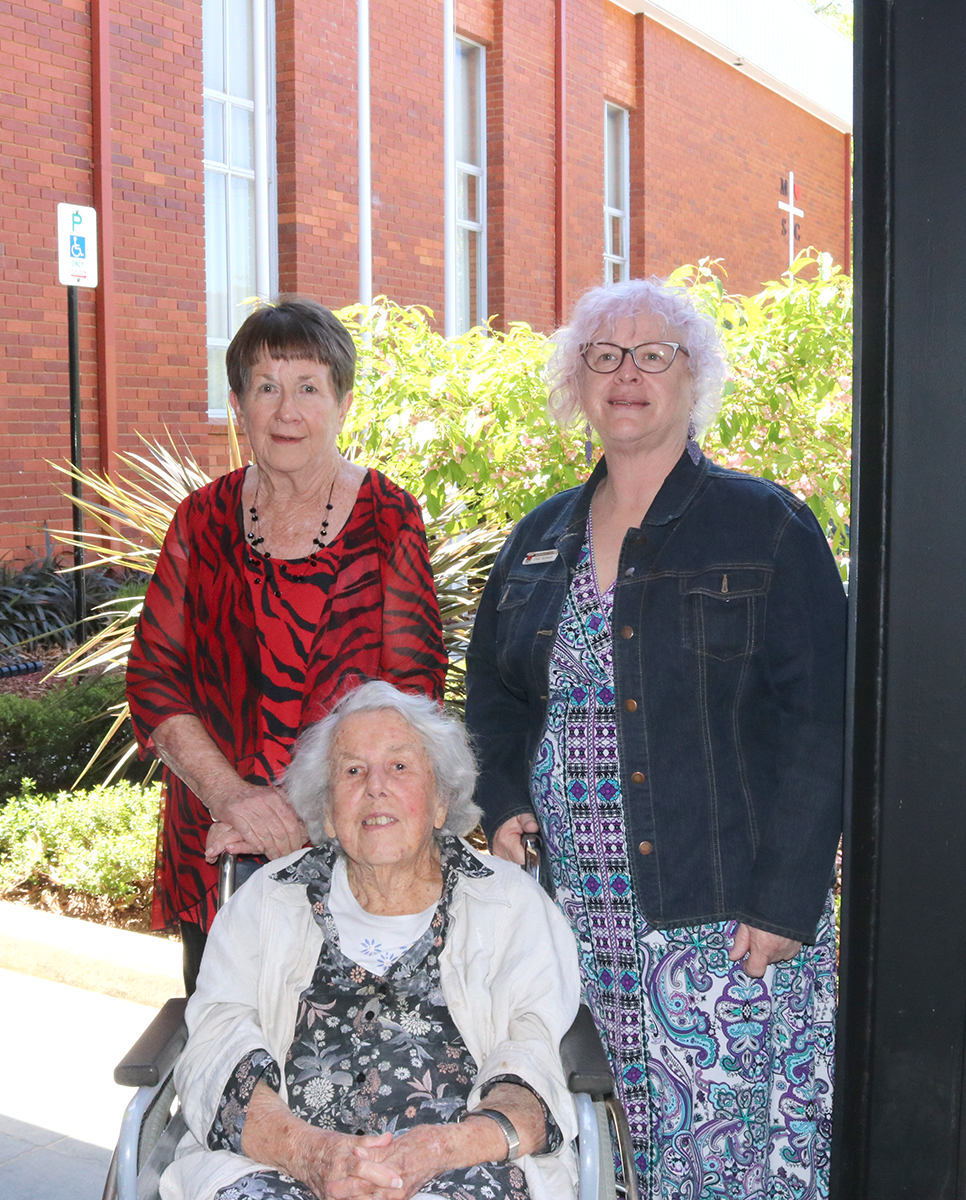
x=73, y=998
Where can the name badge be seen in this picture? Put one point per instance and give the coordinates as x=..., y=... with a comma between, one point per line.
x=539, y=556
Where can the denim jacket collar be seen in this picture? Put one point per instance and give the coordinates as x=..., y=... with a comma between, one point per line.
x=676, y=494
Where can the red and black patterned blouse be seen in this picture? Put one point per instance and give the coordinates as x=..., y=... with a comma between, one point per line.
x=259, y=648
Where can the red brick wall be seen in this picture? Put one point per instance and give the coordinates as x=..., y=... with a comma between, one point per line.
x=159, y=252
x=407, y=154
x=316, y=122
x=620, y=63
x=44, y=159
x=317, y=151
x=158, y=205
x=708, y=150
x=520, y=162
x=711, y=185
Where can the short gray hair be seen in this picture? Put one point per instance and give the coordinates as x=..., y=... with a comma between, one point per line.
x=308, y=780
x=596, y=314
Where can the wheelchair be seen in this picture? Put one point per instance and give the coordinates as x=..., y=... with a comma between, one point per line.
x=153, y=1125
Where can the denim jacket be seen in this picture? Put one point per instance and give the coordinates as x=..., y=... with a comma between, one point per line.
x=729, y=665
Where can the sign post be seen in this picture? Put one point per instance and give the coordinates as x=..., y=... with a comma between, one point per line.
x=77, y=267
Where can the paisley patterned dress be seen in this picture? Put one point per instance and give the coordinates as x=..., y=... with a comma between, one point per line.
x=726, y=1079
x=371, y=1053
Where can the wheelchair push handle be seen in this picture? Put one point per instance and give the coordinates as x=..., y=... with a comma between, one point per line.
x=226, y=877
x=532, y=850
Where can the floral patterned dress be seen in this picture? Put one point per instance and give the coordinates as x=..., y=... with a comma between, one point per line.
x=370, y=1053
x=726, y=1079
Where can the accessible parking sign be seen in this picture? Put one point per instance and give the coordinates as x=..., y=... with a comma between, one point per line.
x=77, y=245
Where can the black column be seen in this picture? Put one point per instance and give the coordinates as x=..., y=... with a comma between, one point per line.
x=76, y=460
x=899, y=1096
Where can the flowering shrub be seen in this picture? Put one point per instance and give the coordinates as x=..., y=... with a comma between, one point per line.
x=465, y=414
x=96, y=843
x=469, y=413
x=787, y=413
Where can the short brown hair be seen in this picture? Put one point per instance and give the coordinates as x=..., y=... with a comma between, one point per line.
x=292, y=327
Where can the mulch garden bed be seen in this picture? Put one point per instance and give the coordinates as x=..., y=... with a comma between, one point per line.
x=36, y=684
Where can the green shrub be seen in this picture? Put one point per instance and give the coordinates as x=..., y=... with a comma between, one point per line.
x=97, y=843
x=50, y=739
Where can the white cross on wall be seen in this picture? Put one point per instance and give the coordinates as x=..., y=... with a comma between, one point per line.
x=793, y=212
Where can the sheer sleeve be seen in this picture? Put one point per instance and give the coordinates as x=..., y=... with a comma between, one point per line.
x=157, y=673
x=413, y=655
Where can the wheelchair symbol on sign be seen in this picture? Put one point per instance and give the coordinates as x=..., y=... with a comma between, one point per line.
x=77, y=246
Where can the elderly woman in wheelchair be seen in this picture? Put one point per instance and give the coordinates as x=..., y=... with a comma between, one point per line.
x=380, y=1015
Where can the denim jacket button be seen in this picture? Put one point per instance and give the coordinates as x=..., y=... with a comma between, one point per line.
x=630, y=706
x=637, y=777
x=629, y=571
x=627, y=632
x=645, y=847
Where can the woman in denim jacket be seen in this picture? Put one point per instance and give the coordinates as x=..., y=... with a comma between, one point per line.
x=656, y=681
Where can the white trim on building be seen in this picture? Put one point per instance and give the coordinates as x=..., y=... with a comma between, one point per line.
x=781, y=44
x=241, y=218
x=617, y=194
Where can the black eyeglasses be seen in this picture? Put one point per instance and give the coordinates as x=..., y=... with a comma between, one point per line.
x=651, y=357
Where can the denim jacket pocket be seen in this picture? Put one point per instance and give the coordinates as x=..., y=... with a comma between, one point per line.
x=515, y=592
x=526, y=611
x=724, y=610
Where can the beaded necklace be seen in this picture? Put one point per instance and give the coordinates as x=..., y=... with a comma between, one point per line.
x=318, y=542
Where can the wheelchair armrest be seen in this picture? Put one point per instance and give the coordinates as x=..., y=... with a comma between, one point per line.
x=152, y=1055
x=584, y=1062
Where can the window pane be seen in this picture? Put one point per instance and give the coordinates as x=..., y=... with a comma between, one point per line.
x=240, y=69
x=242, y=243
x=467, y=279
x=216, y=254
x=215, y=131
x=614, y=166
x=467, y=208
x=468, y=147
x=473, y=272
x=615, y=226
x=217, y=381
x=213, y=44
x=242, y=138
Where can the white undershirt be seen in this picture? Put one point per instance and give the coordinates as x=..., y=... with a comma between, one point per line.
x=373, y=941
x=369, y=939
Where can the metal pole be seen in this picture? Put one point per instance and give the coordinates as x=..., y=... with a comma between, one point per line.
x=449, y=172
x=73, y=357
x=365, y=159
x=560, y=162
x=263, y=262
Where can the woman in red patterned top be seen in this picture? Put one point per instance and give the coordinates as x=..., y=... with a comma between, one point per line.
x=279, y=587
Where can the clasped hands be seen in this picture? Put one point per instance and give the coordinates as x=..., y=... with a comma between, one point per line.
x=374, y=1167
x=250, y=819
x=756, y=947
x=338, y=1166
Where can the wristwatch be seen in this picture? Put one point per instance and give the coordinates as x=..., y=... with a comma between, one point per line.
x=509, y=1132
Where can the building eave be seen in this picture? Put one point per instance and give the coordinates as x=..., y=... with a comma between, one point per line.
x=736, y=59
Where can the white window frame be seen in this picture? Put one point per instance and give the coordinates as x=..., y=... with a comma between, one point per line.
x=263, y=173
x=465, y=169
x=617, y=267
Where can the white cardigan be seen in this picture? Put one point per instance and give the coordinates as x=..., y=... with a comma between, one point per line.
x=509, y=976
